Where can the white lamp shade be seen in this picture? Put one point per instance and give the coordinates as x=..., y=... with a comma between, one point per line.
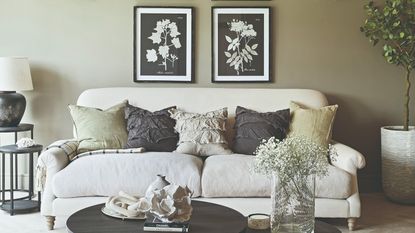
x=15, y=74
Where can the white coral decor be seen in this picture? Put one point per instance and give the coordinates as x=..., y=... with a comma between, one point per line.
x=171, y=204
x=25, y=142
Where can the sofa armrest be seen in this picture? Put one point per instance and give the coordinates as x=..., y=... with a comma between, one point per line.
x=53, y=159
x=57, y=155
x=348, y=158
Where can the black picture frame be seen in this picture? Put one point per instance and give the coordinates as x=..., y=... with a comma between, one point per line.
x=251, y=16
x=179, y=67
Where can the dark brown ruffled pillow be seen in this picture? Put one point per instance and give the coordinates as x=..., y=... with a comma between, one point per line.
x=152, y=130
x=252, y=127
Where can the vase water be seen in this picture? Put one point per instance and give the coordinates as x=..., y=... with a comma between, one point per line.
x=293, y=205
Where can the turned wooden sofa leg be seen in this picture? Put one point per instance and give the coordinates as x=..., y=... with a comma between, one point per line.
x=351, y=223
x=50, y=222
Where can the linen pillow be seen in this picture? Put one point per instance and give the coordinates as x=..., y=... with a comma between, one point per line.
x=252, y=127
x=99, y=129
x=315, y=124
x=152, y=130
x=201, y=134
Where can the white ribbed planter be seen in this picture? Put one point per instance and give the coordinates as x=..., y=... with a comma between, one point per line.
x=398, y=163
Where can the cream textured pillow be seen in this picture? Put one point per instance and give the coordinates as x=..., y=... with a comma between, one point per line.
x=315, y=124
x=97, y=129
x=201, y=134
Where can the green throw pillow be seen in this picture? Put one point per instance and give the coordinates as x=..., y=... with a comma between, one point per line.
x=99, y=129
x=315, y=124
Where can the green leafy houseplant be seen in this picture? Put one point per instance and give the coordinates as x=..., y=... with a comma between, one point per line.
x=394, y=25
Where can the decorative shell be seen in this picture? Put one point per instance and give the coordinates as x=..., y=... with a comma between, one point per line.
x=158, y=184
x=25, y=142
x=171, y=204
x=127, y=205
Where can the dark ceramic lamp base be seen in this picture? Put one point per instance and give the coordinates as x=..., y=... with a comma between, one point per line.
x=12, y=107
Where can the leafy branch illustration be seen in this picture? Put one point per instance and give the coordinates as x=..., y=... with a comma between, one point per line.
x=239, y=52
x=165, y=36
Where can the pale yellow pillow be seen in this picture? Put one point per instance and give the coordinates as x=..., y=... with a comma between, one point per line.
x=315, y=124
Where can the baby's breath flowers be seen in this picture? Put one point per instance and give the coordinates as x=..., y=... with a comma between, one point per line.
x=290, y=157
x=293, y=163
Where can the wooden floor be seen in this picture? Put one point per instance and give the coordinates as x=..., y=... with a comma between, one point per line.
x=378, y=216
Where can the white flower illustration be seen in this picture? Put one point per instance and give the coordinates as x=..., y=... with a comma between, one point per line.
x=176, y=43
x=164, y=51
x=155, y=37
x=237, y=26
x=165, y=22
x=239, y=52
x=166, y=35
x=159, y=27
x=173, y=30
x=248, y=31
x=151, y=55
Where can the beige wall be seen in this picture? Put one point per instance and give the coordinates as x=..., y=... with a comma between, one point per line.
x=78, y=44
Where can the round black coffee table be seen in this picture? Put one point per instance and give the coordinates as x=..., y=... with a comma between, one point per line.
x=206, y=218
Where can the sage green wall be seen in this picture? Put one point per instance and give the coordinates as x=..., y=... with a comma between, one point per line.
x=78, y=44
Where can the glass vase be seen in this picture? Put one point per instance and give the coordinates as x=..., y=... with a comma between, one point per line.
x=292, y=204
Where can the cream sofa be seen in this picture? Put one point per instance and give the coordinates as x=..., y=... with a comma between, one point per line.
x=222, y=179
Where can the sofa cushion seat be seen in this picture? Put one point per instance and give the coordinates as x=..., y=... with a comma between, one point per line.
x=231, y=176
x=107, y=174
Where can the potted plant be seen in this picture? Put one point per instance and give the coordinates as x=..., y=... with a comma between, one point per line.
x=393, y=25
x=293, y=164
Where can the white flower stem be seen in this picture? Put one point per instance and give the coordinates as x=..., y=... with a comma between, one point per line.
x=165, y=43
x=239, y=54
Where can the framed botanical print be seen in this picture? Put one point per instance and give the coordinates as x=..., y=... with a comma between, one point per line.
x=241, y=44
x=163, y=44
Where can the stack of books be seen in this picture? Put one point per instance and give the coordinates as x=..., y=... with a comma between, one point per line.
x=154, y=224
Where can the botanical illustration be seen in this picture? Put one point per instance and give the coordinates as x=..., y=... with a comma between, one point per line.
x=165, y=37
x=240, y=52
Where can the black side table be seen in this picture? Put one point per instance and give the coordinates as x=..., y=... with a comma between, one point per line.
x=16, y=130
x=24, y=204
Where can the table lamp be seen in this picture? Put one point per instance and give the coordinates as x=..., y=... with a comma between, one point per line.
x=14, y=76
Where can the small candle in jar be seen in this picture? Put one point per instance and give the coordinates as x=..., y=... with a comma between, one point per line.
x=258, y=221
